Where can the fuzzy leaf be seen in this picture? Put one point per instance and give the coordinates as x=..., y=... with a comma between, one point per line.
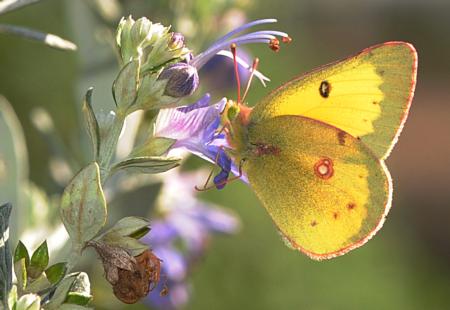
x=125, y=86
x=12, y=296
x=28, y=302
x=131, y=245
x=129, y=226
x=83, y=206
x=61, y=292
x=39, y=284
x=39, y=261
x=20, y=270
x=56, y=272
x=155, y=146
x=78, y=299
x=91, y=122
x=148, y=164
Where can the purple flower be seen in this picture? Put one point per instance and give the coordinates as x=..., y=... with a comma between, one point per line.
x=197, y=128
x=181, y=235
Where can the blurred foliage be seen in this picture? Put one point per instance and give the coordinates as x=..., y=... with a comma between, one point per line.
x=406, y=266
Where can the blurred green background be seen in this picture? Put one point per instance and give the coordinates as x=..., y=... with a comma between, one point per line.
x=405, y=266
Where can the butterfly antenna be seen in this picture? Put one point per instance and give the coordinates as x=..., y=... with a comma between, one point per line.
x=224, y=182
x=236, y=71
x=252, y=74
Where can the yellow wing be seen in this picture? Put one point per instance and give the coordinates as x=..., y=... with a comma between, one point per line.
x=325, y=190
x=367, y=95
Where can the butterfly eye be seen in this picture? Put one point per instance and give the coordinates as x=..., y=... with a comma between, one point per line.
x=325, y=89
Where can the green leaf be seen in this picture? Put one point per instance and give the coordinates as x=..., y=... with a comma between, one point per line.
x=155, y=146
x=138, y=234
x=39, y=261
x=129, y=226
x=21, y=252
x=28, y=302
x=83, y=206
x=12, y=297
x=91, y=122
x=56, y=272
x=61, y=292
x=20, y=270
x=78, y=299
x=148, y=164
x=131, y=245
x=5, y=254
x=125, y=86
x=37, y=285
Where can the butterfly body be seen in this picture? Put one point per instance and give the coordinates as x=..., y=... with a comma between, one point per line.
x=313, y=150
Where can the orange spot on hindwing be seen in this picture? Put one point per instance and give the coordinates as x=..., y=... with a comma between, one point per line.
x=324, y=168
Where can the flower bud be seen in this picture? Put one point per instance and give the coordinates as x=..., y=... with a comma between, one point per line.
x=182, y=80
x=152, y=44
x=177, y=41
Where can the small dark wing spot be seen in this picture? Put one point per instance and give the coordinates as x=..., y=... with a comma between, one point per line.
x=341, y=135
x=374, y=102
x=335, y=215
x=325, y=89
x=351, y=206
x=313, y=223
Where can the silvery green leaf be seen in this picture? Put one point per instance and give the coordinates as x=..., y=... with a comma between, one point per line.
x=56, y=272
x=151, y=94
x=125, y=86
x=20, y=270
x=129, y=226
x=39, y=284
x=39, y=261
x=5, y=254
x=130, y=244
x=83, y=206
x=148, y=164
x=28, y=302
x=154, y=146
x=91, y=122
x=61, y=292
x=80, y=292
x=12, y=297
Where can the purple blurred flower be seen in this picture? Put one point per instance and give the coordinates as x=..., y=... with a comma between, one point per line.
x=180, y=236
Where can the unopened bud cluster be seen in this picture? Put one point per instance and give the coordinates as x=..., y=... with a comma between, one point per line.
x=163, y=74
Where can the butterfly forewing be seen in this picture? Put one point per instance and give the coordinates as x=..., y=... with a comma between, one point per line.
x=367, y=95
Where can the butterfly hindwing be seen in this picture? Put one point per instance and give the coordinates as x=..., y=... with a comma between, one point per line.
x=325, y=190
x=367, y=95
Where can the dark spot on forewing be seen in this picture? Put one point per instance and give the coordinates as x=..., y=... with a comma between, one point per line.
x=314, y=223
x=325, y=89
x=351, y=206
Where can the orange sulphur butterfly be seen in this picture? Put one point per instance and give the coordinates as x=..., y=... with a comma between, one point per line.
x=314, y=149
